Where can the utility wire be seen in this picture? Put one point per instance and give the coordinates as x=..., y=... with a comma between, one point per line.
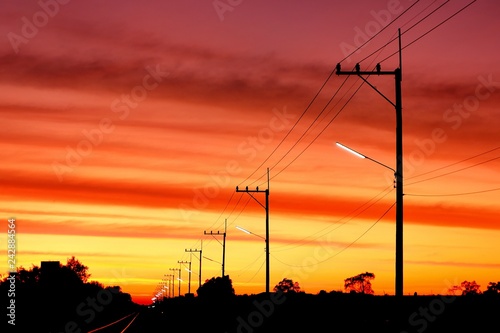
x=450, y=165
x=346, y=247
x=257, y=272
x=404, y=32
x=455, y=171
x=452, y=194
x=294, y=125
x=432, y=29
x=311, y=125
x=371, y=38
x=321, y=88
x=321, y=132
x=337, y=223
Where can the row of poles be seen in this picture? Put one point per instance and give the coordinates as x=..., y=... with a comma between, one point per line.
x=398, y=173
x=168, y=281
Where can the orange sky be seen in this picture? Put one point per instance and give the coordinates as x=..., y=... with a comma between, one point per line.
x=127, y=127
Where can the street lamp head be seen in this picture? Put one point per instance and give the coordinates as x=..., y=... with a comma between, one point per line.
x=244, y=230
x=352, y=151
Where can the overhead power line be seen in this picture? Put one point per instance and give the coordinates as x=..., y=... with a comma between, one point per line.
x=455, y=163
x=455, y=171
x=378, y=33
x=430, y=30
x=453, y=194
x=404, y=32
x=346, y=247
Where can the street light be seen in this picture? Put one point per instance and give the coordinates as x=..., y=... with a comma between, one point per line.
x=267, y=253
x=398, y=183
x=358, y=154
x=249, y=232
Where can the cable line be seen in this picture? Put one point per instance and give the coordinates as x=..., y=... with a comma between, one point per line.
x=407, y=30
x=347, y=246
x=336, y=223
x=453, y=194
x=450, y=165
x=371, y=38
x=455, y=171
x=429, y=31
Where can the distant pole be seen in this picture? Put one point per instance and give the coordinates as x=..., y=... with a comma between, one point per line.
x=189, y=279
x=169, y=276
x=267, y=234
x=173, y=280
x=180, y=262
x=223, y=234
x=200, y=251
x=224, y=249
x=398, y=105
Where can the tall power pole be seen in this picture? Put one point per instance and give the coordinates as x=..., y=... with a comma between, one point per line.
x=266, y=207
x=398, y=105
x=223, y=234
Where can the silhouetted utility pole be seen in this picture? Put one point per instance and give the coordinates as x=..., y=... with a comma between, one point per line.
x=223, y=234
x=399, y=155
x=170, y=278
x=196, y=250
x=173, y=280
x=180, y=262
x=189, y=271
x=266, y=207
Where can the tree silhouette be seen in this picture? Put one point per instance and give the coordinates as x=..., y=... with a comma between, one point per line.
x=29, y=277
x=216, y=288
x=493, y=288
x=466, y=288
x=287, y=286
x=80, y=269
x=360, y=283
x=470, y=288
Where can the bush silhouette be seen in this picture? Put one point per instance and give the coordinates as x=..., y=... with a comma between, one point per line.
x=217, y=288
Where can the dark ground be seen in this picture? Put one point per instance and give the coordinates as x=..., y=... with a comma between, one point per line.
x=326, y=312
x=333, y=313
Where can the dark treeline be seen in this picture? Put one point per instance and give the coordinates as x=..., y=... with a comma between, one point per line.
x=331, y=312
x=58, y=298
x=288, y=309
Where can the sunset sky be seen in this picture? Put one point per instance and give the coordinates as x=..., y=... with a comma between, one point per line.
x=126, y=127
